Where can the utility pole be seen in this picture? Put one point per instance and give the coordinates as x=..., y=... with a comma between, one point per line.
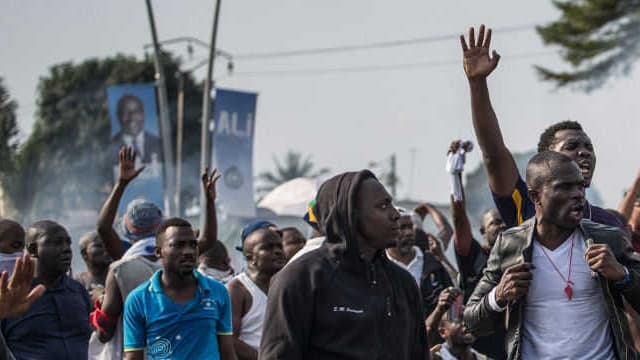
x=180, y=125
x=393, y=179
x=165, y=124
x=207, y=110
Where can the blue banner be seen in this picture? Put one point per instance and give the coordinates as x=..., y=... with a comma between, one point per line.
x=234, y=118
x=134, y=122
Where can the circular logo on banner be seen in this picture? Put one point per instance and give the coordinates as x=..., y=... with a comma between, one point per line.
x=233, y=178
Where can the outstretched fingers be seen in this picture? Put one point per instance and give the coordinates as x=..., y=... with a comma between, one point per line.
x=480, y=36
x=463, y=43
x=487, y=40
x=472, y=37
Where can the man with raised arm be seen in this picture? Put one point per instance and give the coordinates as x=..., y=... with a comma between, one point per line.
x=139, y=262
x=567, y=137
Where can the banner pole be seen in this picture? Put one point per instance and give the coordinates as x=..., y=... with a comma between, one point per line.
x=165, y=123
x=207, y=111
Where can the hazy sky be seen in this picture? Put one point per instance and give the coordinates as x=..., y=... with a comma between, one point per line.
x=346, y=119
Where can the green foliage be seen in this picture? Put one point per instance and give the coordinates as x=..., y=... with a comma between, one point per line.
x=8, y=133
x=597, y=38
x=65, y=162
x=293, y=166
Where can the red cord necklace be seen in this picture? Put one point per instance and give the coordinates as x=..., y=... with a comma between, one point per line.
x=567, y=290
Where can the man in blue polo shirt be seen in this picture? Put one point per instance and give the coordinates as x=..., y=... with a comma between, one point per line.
x=178, y=313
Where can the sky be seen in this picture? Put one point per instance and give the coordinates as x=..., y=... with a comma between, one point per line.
x=346, y=119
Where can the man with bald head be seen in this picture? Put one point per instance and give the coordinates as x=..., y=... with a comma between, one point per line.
x=563, y=278
x=57, y=325
x=263, y=250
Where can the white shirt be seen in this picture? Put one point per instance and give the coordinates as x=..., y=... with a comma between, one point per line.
x=139, y=145
x=415, y=266
x=555, y=327
x=251, y=323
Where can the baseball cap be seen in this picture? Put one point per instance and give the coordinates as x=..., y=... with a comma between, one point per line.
x=250, y=228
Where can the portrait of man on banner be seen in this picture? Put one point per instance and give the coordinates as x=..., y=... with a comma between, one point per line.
x=134, y=122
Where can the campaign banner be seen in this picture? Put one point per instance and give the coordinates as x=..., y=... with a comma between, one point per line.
x=232, y=151
x=134, y=122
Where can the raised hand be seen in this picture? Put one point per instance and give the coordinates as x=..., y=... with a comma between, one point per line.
x=16, y=294
x=454, y=146
x=209, y=183
x=127, y=164
x=477, y=62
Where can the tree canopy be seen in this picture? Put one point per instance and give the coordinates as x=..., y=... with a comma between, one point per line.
x=66, y=156
x=598, y=39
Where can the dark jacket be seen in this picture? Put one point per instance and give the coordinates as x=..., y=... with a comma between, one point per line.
x=514, y=246
x=434, y=279
x=332, y=304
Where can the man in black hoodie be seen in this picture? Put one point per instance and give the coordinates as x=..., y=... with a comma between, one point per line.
x=346, y=300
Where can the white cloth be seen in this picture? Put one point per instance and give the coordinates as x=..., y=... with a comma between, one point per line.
x=215, y=274
x=455, y=167
x=414, y=267
x=8, y=261
x=555, y=327
x=309, y=246
x=251, y=323
x=142, y=247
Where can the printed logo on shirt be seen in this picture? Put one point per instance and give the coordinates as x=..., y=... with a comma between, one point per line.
x=160, y=348
x=347, y=309
x=208, y=304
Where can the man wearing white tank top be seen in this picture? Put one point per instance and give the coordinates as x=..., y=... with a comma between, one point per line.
x=262, y=248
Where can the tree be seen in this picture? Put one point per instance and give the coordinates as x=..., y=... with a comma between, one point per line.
x=65, y=164
x=8, y=132
x=293, y=166
x=8, y=147
x=598, y=39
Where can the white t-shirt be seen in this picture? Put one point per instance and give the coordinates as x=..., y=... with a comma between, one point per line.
x=555, y=327
x=414, y=267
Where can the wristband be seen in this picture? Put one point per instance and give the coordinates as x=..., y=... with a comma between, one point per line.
x=626, y=279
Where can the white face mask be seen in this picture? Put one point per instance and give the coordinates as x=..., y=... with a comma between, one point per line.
x=224, y=276
x=8, y=261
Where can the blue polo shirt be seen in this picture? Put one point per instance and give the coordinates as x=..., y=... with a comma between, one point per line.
x=517, y=208
x=167, y=330
x=56, y=326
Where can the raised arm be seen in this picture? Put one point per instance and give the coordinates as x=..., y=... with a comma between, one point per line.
x=626, y=207
x=478, y=65
x=461, y=227
x=126, y=173
x=209, y=234
x=444, y=228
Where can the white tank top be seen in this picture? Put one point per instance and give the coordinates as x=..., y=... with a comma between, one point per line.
x=251, y=324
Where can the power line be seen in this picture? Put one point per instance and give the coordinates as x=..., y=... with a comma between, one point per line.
x=374, y=45
x=375, y=68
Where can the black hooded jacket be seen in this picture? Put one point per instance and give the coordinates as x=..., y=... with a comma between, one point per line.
x=332, y=304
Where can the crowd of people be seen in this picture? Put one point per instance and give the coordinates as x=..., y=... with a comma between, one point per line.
x=552, y=277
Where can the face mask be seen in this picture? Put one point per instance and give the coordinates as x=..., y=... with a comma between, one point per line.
x=224, y=276
x=8, y=261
